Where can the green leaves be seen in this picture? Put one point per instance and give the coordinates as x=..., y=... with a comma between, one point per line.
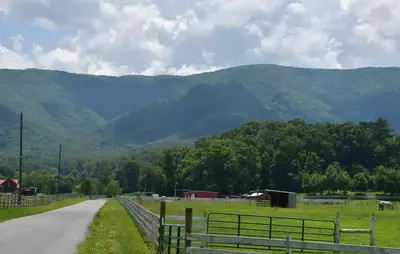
x=289, y=156
x=360, y=182
x=293, y=156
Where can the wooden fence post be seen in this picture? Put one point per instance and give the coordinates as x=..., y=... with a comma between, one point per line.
x=188, y=226
x=372, y=232
x=337, y=230
x=288, y=248
x=204, y=225
x=161, y=227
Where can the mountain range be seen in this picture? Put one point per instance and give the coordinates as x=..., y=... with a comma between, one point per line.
x=102, y=115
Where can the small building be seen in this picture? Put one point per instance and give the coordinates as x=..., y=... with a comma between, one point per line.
x=29, y=191
x=278, y=198
x=9, y=185
x=200, y=194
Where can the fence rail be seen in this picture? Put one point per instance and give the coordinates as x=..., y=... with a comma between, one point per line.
x=10, y=201
x=96, y=197
x=148, y=222
x=185, y=234
x=288, y=244
x=264, y=203
x=323, y=201
x=264, y=226
x=165, y=232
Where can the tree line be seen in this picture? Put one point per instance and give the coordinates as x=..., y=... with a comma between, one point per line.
x=292, y=156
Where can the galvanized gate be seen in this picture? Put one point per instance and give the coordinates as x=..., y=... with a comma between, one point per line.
x=174, y=239
x=272, y=227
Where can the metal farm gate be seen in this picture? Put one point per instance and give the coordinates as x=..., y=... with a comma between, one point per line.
x=272, y=227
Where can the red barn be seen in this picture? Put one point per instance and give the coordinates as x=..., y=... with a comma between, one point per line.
x=201, y=194
x=9, y=185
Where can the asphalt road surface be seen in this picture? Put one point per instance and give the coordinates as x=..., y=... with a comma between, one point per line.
x=55, y=232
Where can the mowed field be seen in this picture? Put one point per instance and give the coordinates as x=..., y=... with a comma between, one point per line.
x=355, y=214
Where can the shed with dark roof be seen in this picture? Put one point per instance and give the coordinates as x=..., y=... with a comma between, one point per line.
x=284, y=199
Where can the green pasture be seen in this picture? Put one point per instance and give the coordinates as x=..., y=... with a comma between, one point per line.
x=17, y=212
x=355, y=214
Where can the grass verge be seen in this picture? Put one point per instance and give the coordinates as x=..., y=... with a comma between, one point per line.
x=13, y=213
x=113, y=231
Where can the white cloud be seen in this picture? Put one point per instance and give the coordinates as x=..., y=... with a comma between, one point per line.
x=157, y=67
x=4, y=6
x=44, y=23
x=117, y=37
x=12, y=60
x=17, y=43
x=208, y=56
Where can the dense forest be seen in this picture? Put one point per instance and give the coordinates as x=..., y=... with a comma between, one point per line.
x=103, y=116
x=293, y=155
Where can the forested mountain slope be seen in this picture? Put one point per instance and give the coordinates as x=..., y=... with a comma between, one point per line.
x=97, y=112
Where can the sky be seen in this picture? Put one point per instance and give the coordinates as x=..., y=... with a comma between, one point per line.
x=182, y=37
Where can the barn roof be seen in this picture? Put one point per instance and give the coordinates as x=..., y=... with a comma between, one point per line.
x=202, y=191
x=274, y=191
x=14, y=180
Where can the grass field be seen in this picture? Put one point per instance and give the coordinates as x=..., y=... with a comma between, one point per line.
x=113, y=231
x=12, y=213
x=356, y=214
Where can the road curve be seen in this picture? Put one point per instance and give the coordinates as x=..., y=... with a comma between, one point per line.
x=55, y=232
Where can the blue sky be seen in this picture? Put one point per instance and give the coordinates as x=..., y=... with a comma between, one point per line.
x=151, y=37
x=32, y=34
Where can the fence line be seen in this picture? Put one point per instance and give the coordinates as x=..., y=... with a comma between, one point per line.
x=95, y=196
x=162, y=231
x=188, y=233
x=370, y=231
x=323, y=201
x=177, y=199
x=353, y=197
x=10, y=201
x=148, y=222
x=288, y=244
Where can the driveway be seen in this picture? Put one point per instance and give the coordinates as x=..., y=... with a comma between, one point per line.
x=55, y=232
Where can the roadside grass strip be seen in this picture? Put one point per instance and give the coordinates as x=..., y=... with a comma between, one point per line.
x=113, y=231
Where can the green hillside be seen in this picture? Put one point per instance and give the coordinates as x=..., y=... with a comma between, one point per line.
x=318, y=94
x=100, y=115
x=202, y=111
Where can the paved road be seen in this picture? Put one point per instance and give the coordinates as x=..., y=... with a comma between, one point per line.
x=55, y=232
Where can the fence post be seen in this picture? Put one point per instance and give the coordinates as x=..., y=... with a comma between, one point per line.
x=288, y=248
x=238, y=228
x=204, y=244
x=188, y=226
x=372, y=232
x=161, y=227
x=337, y=230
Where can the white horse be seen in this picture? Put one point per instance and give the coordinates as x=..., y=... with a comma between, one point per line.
x=387, y=204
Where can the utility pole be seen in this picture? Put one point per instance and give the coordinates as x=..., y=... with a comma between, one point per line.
x=21, y=125
x=59, y=170
x=83, y=173
x=175, y=189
